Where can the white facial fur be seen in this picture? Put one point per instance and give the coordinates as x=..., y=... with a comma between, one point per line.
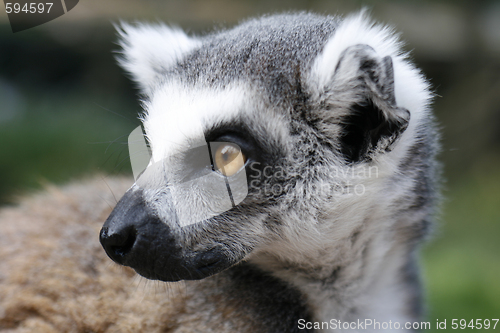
x=176, y=116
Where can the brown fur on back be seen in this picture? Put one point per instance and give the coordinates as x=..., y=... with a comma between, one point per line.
x=55, y=277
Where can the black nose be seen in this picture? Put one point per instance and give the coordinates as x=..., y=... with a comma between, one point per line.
x=122, y=232
x=118, y=243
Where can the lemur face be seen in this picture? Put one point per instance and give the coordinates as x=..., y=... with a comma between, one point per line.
x=256, y=134
x=197, y=208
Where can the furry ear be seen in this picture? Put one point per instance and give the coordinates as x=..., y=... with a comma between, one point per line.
x=353, y=79
x=373, y=121
x=149, y=50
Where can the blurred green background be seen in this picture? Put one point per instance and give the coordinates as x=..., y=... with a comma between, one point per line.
x=66, y=110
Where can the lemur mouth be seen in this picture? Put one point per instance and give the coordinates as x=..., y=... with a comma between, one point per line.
x=197, y=268
x=211, y=262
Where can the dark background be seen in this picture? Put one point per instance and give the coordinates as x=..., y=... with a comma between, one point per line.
x=66, y=110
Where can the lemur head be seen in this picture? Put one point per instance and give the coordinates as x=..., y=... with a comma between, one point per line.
x=278, y=136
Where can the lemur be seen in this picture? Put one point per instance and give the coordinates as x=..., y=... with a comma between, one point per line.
x=319, y=131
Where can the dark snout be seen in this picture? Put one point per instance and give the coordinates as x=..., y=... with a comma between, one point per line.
x=134, y=236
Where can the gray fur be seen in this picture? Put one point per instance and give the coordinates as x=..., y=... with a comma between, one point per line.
x=348, y=256
x=273, y=54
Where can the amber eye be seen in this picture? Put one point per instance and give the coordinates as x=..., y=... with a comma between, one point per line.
x=229, y=159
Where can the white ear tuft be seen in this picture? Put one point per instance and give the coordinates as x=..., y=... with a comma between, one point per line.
x=148, y=50
x=353, y=30
x=411, y=89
